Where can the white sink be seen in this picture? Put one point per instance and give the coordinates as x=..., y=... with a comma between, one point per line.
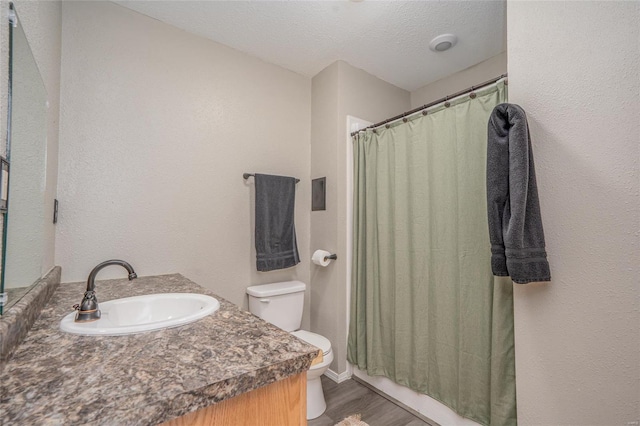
x=143, y=313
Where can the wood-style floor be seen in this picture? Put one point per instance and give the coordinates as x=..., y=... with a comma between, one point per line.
x=350, y=397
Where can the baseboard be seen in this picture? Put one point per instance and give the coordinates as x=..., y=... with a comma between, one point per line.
x=338, y=378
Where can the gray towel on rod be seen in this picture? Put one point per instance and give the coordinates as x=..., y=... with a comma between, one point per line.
x=515, y=223
x=275, y=233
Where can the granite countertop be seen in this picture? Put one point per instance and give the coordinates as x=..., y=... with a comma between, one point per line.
x=55, y=378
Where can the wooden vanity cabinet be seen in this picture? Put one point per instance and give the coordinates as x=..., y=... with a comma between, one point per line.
x=283, y=403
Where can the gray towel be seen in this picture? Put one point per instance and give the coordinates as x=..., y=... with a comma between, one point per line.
x=276, y=246
x=515, y=224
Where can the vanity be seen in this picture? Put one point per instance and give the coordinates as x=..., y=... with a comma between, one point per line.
x=229, y=368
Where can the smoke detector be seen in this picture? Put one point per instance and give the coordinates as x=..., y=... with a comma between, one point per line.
x=443, y=42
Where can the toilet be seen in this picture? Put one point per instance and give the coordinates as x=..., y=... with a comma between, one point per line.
x=281, y=304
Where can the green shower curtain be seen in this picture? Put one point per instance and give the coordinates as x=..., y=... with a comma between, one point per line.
x=426, y=311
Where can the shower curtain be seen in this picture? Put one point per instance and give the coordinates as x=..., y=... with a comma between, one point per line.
x=426, y=311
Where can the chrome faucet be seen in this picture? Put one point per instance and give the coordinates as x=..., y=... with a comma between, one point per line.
x=88, y=309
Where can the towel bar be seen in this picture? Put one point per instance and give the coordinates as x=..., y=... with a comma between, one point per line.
x=248, y=175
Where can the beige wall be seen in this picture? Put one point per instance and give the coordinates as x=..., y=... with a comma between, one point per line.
x=574, y=68
x=324, y=224
x=339, y=90
x=158, y=126
x=479, y=73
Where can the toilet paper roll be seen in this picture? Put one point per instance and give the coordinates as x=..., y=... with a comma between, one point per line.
x=319, y=257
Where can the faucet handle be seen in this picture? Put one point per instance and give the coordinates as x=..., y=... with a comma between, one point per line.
x=88, y=308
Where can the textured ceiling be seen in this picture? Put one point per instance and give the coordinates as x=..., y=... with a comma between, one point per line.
x=389, y=39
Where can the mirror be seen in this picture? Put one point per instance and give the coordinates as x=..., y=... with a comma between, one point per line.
x=26, y=153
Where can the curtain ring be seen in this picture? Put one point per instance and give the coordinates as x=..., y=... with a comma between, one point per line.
x=447, y=104
x=404, y=120
x=375, y=131
x=387, y=126
x=472, y=95
x=424, y=112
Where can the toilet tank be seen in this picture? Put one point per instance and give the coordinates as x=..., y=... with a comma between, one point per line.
x=281, y=303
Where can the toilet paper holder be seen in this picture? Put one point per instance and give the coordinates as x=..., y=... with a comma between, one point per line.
x=323, y=257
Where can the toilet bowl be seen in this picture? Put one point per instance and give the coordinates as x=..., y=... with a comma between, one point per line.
x=281, y=304
x=316, y=404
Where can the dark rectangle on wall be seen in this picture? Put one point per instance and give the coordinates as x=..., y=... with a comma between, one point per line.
x=318, y=194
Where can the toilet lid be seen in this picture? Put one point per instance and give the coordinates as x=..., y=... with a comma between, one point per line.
x=314, y=339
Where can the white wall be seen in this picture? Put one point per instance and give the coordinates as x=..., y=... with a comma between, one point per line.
x=338, y=91
x=158, y=126
x=574, y=68
x=474, y=75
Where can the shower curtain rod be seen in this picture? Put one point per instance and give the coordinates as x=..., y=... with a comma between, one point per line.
x=434, y=103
